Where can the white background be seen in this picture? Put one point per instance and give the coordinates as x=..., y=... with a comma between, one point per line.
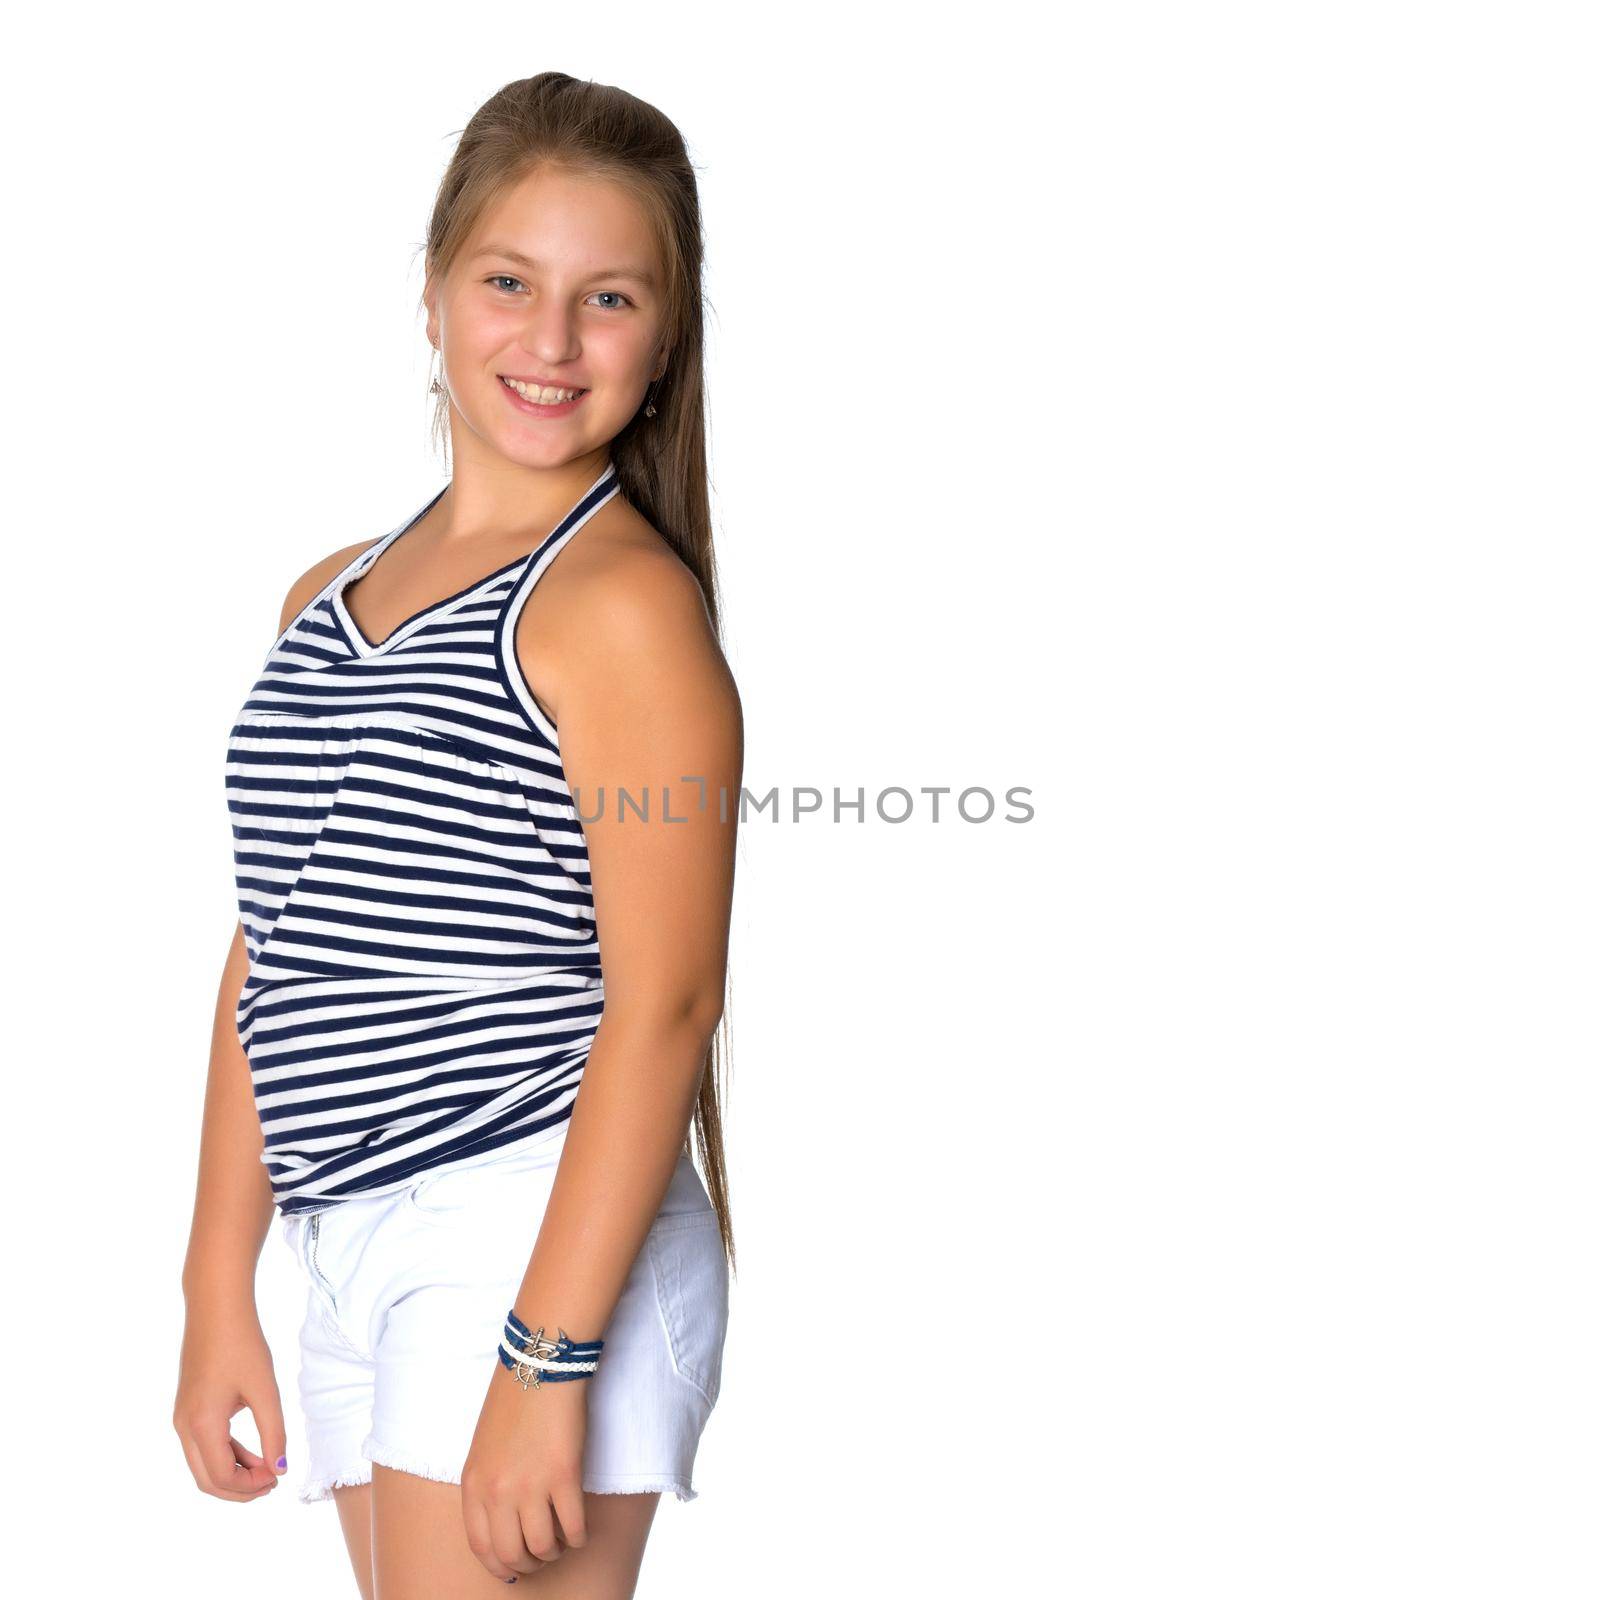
x=1185, y=412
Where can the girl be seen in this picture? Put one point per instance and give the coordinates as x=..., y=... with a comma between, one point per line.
x=517, y=1281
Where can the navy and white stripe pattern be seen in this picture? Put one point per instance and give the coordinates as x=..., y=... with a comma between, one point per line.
x=413, y=879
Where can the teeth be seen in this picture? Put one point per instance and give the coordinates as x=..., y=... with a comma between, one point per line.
x=542, y=397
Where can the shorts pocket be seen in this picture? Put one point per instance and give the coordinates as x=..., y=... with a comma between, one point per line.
x=690, y=1271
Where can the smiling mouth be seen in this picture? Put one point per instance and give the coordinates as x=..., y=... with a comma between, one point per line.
x=541, y=394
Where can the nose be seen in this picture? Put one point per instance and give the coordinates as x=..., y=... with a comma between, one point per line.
x=550, y=333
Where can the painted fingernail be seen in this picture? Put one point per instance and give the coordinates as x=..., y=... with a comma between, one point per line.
x=282, y=1463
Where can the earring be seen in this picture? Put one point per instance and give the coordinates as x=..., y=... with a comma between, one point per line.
x=649, y=406
x=436, y=387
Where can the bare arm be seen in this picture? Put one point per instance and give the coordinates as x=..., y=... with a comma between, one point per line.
x=643, y=699
x=647, y=703
x=233, y=1196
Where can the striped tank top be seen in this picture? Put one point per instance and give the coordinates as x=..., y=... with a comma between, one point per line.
x=424, y=970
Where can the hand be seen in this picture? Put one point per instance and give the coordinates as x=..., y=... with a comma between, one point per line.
x=226, y=1365
x=521, y=1487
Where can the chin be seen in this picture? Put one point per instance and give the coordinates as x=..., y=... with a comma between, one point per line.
x=554, y=451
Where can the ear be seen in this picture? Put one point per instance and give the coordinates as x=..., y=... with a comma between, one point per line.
x=430, y=298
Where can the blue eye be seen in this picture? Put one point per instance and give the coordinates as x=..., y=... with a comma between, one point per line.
x=614, y=294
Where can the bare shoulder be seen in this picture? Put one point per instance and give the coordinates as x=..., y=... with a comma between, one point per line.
x=619, y=609
x=307, y=586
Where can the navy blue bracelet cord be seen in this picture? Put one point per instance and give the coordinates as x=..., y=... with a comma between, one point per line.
x=534, y=1359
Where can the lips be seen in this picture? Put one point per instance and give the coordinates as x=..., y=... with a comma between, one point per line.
x=543, y=391
x=543, y=408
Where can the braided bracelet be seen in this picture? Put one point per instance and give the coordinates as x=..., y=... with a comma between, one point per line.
x=533, y=1359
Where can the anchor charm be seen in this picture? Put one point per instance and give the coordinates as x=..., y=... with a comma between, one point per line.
x=530, y=1377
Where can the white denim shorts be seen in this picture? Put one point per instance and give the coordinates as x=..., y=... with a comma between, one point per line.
x=407, y=1294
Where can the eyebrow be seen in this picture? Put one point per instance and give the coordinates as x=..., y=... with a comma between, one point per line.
x=503, y=251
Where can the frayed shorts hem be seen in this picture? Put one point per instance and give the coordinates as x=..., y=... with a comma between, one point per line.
x=322, y=1486
x=373, y=1451
x=641, y=1483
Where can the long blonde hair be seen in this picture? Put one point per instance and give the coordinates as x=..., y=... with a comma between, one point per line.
x=554, y=120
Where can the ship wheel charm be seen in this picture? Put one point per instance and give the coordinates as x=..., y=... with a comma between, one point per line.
x=535, y=1344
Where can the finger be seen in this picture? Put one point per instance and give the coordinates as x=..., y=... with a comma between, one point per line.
x=539, y=1530
x=480, y=1537
x=567, y=1496
x=267, y=1409
x=217, y=1454
x=252, y=1470
x=505, y=1532
x=202, y=1473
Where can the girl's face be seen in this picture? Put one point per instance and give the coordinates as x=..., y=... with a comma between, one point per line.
x=559, y=288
